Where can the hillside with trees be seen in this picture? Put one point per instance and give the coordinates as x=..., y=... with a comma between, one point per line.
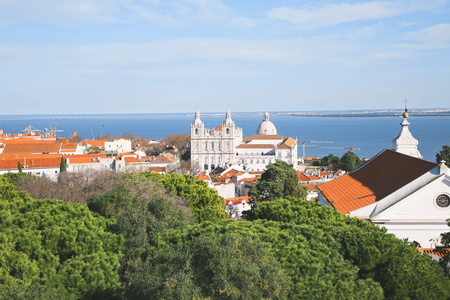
x=141, y=236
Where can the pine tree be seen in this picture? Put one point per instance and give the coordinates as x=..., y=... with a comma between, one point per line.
x=62, y=165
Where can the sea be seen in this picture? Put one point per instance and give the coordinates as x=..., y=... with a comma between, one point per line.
x=317, y=136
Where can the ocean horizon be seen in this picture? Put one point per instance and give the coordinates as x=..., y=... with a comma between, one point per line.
x=321, y=135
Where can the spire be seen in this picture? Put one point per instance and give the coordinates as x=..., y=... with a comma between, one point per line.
x=228, y=121
x=266, y=116
x=228, y=114
x=197, y=114
x=197, y=121
x=405, y=143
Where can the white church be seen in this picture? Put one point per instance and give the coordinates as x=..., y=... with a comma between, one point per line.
x=225, y=146
x=397, y=190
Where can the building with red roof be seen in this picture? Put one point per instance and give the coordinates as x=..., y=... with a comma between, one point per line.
x=398, y=190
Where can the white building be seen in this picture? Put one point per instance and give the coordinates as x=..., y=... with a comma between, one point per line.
x=225, y=146
x=118, y=146
x=397, y=190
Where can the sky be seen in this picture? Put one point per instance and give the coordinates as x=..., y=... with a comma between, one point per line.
x=164, y=56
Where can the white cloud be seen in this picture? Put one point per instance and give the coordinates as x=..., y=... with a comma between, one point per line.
x=434, y=37
x=88, y=11
x=430, y=38
x=334, y=14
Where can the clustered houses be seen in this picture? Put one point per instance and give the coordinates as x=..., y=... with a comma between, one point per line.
x=232, y=184
x=226, y=146
x=40, y=155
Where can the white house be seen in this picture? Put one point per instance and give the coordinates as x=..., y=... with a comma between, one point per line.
x=41, y=165
x=236, y=206
x=118, y=146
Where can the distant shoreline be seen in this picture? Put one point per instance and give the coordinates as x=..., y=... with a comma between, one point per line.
x=445, y=112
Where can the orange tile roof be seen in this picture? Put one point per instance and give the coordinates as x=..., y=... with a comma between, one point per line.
x=253, y=180
x=288, y=143
x=236, y=200
x=203, y=176
x=379, y=177
x=36, y=147
x=98, y=143
x=311, y=187
x=68, y=148
x=84, y=158
x=156, y=170
x=50, y=161
x=162, y=159
x=303, y=177
x=133, y=160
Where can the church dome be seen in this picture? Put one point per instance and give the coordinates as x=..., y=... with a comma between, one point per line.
x=266, y=127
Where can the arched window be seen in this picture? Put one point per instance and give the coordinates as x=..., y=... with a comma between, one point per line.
x=196, y=130
x=206, y=167
x=228, y=130
x=213, y=167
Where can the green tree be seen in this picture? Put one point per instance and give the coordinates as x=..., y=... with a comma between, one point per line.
x=350, y=161
x=19, y=167
x=204, y=202
x=271, y=260
x=93, y=150
x=397, y=266
x=51, y=244
x=279, y=180
x=329, y=160
x=224, y=265
x=445, y=251
x=62, y=165
x=444, y=154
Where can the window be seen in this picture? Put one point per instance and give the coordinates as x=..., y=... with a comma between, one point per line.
x=228, y=130
x=212, y=146
x=443, y=201
x=196, y=130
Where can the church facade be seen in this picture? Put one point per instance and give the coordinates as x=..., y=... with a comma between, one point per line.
x=397, y=190
x=225, y=145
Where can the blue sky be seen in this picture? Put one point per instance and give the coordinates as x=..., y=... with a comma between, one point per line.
x=159, y=56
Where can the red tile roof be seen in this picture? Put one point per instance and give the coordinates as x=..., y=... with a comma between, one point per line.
x=236, y=200
x=31, y=161
x=35, y=147
x=156, y=170
x=132, y=160
x=203, y=176
x=311, y=187
x=379, y=177
x=288, y=143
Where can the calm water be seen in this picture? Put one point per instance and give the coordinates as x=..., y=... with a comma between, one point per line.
x=370, y=135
